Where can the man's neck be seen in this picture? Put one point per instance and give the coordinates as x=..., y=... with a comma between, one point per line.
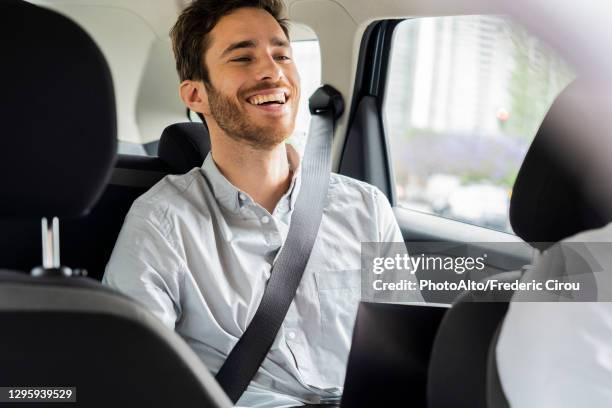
x=263, y=174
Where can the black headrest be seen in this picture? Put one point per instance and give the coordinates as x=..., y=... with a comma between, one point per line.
x=549, y=200
x=58, y=140
x=184, y=146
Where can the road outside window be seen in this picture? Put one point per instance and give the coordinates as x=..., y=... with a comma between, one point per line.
x=465, y=97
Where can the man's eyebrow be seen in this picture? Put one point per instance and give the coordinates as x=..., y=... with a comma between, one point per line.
x=275, y=41
x=279, y=42
x=238, y=45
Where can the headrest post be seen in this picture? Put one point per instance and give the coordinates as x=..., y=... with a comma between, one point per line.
x=55, y=240
x=50, y=243
x=51, y=252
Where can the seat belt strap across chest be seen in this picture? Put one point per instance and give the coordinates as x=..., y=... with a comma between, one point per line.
x=242, y=363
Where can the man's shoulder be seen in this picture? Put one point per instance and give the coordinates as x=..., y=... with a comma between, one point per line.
x=348, y=186
x=602, y=234
x=169, y=195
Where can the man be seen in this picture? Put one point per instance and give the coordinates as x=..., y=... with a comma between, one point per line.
x=197, y=249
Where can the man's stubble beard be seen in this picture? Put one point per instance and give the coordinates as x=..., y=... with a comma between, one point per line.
x=234, y=122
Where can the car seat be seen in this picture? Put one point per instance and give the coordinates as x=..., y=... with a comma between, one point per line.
x=549, y=203
x=57, y=151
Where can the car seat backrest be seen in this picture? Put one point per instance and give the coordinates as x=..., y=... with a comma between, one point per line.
x=459, y=358
x=76, y=333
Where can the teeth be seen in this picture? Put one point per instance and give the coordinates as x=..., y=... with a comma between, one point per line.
x=259, y=99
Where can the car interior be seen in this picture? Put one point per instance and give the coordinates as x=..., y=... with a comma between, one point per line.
x=93, y=120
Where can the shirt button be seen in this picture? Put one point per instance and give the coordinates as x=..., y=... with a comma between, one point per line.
x=291, y=335
x=242, y=196
x=265, y=219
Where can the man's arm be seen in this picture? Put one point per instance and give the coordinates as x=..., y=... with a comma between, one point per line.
x=388, y=230
x=554, y=352
x=145, y=266
x=392, y=243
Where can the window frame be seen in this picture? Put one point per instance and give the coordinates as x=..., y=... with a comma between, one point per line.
x=370, y=82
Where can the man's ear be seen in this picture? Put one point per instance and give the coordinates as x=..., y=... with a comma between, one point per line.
x=195, y=97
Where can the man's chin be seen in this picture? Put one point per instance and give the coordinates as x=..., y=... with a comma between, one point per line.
x=264, y=138
x=270, y=140
x=274, y=131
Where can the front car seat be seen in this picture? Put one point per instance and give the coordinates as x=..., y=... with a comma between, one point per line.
x=555, y=204
x=57, y=150
x=548, y=204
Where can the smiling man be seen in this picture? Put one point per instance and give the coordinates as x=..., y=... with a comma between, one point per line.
x=197, y=249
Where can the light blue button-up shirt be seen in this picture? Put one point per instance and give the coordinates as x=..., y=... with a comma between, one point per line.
x=197, y=252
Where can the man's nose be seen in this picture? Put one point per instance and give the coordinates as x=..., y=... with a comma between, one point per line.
x=269, y=69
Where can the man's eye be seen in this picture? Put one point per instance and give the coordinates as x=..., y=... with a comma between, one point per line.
x=283, y=58
x=241, y=59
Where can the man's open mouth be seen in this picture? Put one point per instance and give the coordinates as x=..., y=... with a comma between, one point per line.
x=268, y=99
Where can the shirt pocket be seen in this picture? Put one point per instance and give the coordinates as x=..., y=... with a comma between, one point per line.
x=339, y=293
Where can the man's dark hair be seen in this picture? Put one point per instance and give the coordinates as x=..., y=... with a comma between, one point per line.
x=190, y=34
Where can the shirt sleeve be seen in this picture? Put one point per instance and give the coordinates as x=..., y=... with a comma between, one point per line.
x=556, y=354
x=392, y=243
x=145, y=266
x=388, y=229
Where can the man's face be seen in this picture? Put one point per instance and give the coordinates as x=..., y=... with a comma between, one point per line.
x=254, y=89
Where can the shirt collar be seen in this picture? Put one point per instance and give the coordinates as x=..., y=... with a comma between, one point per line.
x=229, y=196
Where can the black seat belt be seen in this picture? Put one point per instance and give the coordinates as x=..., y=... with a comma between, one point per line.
x=326, y=105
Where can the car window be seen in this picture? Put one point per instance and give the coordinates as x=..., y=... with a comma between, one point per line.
x=465, y=96
x=307, y=57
